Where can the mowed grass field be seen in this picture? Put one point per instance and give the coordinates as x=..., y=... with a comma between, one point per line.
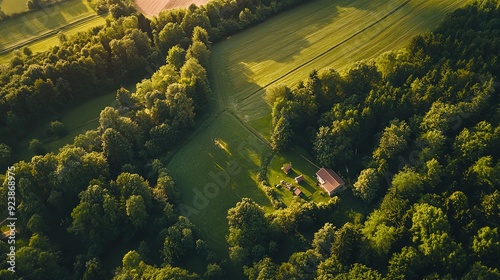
x=41, y=27
x=284, y=49
x=216, y=169
x=315, y=35
x=53, y=40
x=10, y=7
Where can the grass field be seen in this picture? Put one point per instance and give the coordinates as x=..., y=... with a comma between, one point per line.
x=285, y=49
x=10, y=7
x=43, y=44
x=79, y=119
x=222, y=161
x=40, y=28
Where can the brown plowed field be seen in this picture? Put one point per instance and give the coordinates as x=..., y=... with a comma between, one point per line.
x=154, y=7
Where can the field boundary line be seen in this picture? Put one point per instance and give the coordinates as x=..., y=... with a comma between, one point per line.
x=48, y=33
x=294, y=69
x=250, y=128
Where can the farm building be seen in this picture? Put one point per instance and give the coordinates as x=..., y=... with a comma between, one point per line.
x=297, y=192
x=286, y=168
x=299, y=179
x=330, y=181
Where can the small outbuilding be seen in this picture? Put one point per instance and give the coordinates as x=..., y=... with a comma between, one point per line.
x=297, y=192
x=286, y=168
x=299, y=179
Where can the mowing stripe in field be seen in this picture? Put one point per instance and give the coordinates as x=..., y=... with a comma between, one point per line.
x=37, y=23
x=294, y=69
x=53, y=32
x=44, y=44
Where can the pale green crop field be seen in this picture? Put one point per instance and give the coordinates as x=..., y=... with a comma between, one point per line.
x=53, y=40
x=10, y=7
x=283, y=49
x=41, y=27
x=324, y=33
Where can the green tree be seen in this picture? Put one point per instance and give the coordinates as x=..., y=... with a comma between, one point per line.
x=124, y=98
x=200, y=52
x=480, y=271
x=282, y=135
x=367, y=184
x=171, y=35
x=408, y=183
x=93, y=270
x=345, y=246
x=5, y=155
x=37, y=147
x=57, y=129
x=407, y=264
x=394, y=140
x=176, y=56
x=323, y=240
x=116, y=148
x=97, y=218
x=264, y=269
x=486, y=243
x=214, y=272
x=136, y=210
x=247, y=229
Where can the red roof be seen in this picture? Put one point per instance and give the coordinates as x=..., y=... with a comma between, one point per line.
x=330, y=178
x=297, y=191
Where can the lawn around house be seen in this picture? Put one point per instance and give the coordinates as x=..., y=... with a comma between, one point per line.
x=339, y=32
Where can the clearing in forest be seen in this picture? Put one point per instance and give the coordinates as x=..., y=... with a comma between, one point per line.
x=283, y=49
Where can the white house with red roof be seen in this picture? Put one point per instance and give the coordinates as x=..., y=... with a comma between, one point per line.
x=330, y=181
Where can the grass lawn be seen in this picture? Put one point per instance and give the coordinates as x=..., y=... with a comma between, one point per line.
x=10, y=7
x=77, y=120
x=46, y=23
x=214, y=171
x=300, y=166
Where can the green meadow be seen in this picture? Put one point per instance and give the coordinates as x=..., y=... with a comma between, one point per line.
x=283, y=49
x=10, y=7
x=40, y=28
x=216, y=169
x=45, y=43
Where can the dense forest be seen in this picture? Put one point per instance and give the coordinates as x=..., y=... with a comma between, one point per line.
x=418, y=129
